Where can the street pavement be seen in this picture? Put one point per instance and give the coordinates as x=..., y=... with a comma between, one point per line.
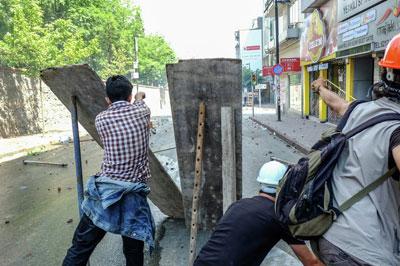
x=292, y=127
x=38, y=211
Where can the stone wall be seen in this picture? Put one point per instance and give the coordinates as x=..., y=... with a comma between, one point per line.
x=27, y=106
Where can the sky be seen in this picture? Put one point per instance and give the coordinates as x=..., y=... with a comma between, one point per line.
x=199, y=28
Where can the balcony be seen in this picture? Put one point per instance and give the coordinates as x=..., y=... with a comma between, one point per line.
x=292, y=32
x=286, y=37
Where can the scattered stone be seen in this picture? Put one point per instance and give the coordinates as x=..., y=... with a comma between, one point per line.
x=48, y=189
x=28, y=255
x=58, y=189
x=86, y=161
x=7, y=222
x=23, y=187
x=70, y=221
x=69, y=188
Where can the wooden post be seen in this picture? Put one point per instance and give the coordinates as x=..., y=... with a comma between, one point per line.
x=197, y=182
x=228, y=157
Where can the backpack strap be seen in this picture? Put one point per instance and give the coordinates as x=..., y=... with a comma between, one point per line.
x=365, y=191
x=373, y=121
x=346, y=115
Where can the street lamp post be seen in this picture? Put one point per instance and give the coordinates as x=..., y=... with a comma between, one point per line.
x=277, y=80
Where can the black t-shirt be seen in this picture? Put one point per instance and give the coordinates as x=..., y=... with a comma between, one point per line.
x=245, y=234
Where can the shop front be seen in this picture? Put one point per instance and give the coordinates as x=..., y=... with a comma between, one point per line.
x=363, y=33
x=318, y=59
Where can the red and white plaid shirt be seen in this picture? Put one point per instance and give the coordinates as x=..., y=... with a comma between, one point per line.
x=124, y=131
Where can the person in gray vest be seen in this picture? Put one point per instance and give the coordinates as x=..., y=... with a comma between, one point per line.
x=368, y=233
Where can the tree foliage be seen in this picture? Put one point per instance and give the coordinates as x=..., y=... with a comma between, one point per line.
x=35, y=34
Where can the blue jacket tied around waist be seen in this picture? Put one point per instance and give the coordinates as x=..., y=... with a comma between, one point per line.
x=120, y=207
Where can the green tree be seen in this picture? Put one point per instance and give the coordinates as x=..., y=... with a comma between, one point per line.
x=35, y=34
x=23, y=45
x=154, y=54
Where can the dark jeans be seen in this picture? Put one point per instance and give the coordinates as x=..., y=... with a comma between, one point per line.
x=86, y=238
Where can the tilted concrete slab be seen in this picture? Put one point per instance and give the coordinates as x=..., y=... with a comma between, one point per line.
x=218, y=83
x=81, y=81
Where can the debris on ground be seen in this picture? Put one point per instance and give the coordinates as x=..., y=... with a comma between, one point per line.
x=70, y=221
x=58, y=189
x=7, y=222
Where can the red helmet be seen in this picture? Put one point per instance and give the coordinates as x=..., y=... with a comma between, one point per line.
x=391, y=59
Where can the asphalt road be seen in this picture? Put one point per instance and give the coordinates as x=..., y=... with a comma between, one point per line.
x=38, y=206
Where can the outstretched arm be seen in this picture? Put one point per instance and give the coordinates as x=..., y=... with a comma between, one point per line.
x=306, y=256
x=334, y=101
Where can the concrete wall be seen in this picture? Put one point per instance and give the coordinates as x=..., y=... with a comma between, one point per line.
x=217, y=82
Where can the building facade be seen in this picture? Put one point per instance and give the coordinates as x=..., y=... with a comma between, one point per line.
x=290, y=21
x=249, y=49
x=343, y=40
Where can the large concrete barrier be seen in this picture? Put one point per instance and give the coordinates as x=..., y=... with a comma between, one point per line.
x=217, y=82
x=81, y=81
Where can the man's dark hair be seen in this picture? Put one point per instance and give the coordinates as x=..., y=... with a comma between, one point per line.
x=118, y=88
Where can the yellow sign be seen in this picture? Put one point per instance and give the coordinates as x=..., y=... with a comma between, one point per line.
x=315, y=36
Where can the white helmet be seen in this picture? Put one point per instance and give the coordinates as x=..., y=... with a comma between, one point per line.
x=270, y=174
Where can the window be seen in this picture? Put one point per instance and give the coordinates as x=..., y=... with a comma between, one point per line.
x=295, y=15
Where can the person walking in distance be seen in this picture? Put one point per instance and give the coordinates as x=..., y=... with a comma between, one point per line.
x=116, y=197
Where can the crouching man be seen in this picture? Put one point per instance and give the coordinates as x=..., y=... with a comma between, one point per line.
x=116, y=198
x=250, y=229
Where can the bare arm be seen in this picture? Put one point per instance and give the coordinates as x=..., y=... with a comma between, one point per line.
x=306, y=256
x=334, y=101
x=396, y=156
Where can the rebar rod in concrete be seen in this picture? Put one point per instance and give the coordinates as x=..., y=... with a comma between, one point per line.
x=44, y=163
x=197, y=182
x=77, y=153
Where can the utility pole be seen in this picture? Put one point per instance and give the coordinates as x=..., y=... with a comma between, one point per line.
x=135, y=72
x=277, y=80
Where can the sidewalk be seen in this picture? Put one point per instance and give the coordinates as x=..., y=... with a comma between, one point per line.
x=298, y=132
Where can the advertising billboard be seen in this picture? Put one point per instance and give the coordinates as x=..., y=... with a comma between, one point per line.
x=251, y=49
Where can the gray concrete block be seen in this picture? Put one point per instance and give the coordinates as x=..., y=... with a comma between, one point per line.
x=217, y=82
x=83, y=82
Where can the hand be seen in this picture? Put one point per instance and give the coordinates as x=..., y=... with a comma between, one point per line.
x=140, y=96
x=316, y=84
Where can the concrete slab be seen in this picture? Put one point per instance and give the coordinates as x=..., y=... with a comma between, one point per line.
x=217, y=82
x=81, y=81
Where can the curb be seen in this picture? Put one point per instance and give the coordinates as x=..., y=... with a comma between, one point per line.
x=298, y=146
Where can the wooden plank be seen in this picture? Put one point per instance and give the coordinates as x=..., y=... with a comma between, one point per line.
x=197, y=182
x=81, y=81
x=228, y=157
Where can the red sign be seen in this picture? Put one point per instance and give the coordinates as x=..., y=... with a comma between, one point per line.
x=291, y=64
x=267, y=71
x=252, y=48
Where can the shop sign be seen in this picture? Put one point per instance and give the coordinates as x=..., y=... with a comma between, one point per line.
x=319, y=38
x=316, y=36
x=377, y=26
x=267, y=71
x=318, y=67
x=261, y=87
x=348, y=8
x=291, y=64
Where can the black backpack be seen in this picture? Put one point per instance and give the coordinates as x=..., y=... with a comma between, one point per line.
x=304, y=195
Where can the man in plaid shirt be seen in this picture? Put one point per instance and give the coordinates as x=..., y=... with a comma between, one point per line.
x=116, y=197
